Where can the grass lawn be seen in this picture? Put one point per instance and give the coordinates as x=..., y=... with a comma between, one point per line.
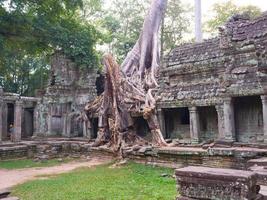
x=130, y=182
x=28, y=163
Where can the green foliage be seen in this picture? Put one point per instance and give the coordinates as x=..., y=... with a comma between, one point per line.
x=124, y=20
x=223, y=11
x=48, y=25
x=175, y=24
x=23, y=74
x=130, y=182
x=32, y=30
x=123, y=23
x=27, y=163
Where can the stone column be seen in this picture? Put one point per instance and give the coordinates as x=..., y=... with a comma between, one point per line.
x=1, y=114
x=264, y=114
x=4, y=120
x=49, y=120
x=87, y=130
x=161, y=119
x=1, y=118
x=194, y=125
x=36, y=120
x=220, y=113
x=68, y=121
x=229, y=120
x=18, y=121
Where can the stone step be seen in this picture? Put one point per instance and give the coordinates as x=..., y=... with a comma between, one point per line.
x=258, y=162
x=4, y=193
x=263, y=190
x=10, y=198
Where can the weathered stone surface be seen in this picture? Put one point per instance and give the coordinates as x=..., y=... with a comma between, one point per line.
x=210, y=183
x=258, y=162
x=69, y=89
x=4, y=193
x=185, y=198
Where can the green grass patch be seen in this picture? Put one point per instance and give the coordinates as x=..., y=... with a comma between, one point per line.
x=130, y=182
x=28, y=163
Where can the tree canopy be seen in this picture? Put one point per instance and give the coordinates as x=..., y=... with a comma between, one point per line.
x=223, y=11
x=33, y=29
x=124, y=18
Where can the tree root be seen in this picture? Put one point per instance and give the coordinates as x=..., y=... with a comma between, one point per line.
x=130, y=89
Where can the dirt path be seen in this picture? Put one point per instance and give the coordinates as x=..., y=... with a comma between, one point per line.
x=10, y=178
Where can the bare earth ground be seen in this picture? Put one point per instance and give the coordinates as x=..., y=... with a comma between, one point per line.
x=10, y=178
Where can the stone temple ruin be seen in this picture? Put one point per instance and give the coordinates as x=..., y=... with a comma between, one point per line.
x=216, y=89
x=68, y=91
x=212, y=103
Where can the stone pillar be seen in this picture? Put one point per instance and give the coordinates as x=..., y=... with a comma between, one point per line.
x=87, y=130
x=194, y=125
x=161, y=119
x=229, y=120
x=18, y=121
x=4, y=120
x=68, y=121
x=264, y=114
x=1, y=114
x=36, y=119
x=49, y=120
x=220, y=113
x=1, y=119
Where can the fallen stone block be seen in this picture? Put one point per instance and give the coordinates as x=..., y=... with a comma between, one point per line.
x=213, y=183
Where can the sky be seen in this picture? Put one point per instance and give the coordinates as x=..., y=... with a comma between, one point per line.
x=207, y=10
x=207, y=4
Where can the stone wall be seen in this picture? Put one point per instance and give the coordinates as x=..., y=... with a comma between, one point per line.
x=208, y=123
x=235, y=158
x=50, y=150
x=249, y=119
x=232, y=158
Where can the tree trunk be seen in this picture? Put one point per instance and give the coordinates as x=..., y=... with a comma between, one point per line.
x=131, y=88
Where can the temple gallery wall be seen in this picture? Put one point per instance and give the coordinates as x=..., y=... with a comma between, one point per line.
x=213, y=90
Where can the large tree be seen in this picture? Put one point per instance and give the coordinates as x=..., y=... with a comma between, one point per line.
x=130, y=88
